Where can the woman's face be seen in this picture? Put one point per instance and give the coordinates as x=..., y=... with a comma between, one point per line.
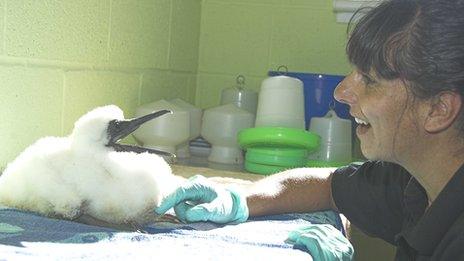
x=386, y=127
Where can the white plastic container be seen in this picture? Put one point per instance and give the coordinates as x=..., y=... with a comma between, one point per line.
x=166, y=132
x=182, y=150
x=281, y=103
x=220, y=128
x=240, y=97
x=335, y=135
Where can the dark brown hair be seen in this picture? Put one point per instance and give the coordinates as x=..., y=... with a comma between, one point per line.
x=418, y=41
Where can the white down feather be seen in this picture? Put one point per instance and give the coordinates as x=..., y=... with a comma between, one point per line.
x=78, y=174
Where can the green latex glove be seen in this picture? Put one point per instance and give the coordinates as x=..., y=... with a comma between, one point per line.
x=201, y=200
x=323, y=241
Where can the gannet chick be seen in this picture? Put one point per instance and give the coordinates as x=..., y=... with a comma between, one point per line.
x=89, y=173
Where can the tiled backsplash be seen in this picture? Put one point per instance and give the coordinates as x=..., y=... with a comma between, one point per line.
x=59, y=59
x=251, y=37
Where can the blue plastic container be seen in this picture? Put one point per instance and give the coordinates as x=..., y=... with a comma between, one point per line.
x=318, y=92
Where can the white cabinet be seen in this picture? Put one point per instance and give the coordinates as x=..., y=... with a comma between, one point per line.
x=344, y=9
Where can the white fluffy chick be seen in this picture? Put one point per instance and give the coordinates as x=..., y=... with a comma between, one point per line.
x=89, y=173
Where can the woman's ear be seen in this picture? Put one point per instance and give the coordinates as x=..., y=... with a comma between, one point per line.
x=443, y=110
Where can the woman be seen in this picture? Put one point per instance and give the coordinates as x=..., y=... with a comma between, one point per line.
x=406, y=94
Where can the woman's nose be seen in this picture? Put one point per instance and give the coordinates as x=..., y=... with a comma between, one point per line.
x=344, y=92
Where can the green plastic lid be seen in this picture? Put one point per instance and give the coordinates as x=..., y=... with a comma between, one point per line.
x=325, y=164
x=262, y=169
x=278, y=137
x=280, y=151
x=284, y=157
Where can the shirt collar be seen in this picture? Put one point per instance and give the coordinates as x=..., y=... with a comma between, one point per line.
x=436, y=221
x=415, y=200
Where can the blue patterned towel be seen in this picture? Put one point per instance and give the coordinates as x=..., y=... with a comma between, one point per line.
x=28, y=236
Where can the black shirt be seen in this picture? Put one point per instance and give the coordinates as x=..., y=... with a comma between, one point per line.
x=385, y=201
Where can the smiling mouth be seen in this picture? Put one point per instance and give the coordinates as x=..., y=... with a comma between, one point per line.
x=363, y=126
x=361, y=122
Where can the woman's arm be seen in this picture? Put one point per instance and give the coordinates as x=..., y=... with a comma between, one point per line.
x=296, y=190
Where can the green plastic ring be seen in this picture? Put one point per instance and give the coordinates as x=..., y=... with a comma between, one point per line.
x=284, y=157
x=263, y=169
x=278, y=137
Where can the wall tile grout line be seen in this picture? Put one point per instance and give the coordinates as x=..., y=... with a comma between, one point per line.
x=4, y=27
x=108, y=44
x=63, y=102
x=171, y=13
x=271, y=34
x=139, y=98
x=231, y=74
x=75, y=66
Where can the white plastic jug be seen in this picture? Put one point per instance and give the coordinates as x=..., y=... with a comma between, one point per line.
x=220, y=128
x=183, y=150
x=165, y=132
x=281, y=103
x=335, y=135
x=239, y=96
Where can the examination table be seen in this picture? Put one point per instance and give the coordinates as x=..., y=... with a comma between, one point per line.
x=28, y=236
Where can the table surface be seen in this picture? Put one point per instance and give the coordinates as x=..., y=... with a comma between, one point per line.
x=187, y=171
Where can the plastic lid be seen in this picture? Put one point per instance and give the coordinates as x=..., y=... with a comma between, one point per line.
x=286, y=152
x=263, y=169
x=284, y=157
x=278, y=137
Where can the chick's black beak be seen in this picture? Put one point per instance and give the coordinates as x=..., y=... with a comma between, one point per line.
x=118, y=129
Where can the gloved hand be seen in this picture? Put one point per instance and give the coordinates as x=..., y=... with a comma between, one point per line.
x=201, y=200
x=323, y=241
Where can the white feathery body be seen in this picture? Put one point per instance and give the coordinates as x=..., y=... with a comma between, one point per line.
x=78, y=174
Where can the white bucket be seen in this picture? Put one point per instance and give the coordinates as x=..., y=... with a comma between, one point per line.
x=182, y=150
x=220, y=128
x=335, y=135
x=281, y=103
x=166, y=132
x=240, y=97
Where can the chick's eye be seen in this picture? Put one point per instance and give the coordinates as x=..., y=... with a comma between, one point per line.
x=118, y=125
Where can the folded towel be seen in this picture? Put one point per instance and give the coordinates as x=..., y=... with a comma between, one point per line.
x=28, y=235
